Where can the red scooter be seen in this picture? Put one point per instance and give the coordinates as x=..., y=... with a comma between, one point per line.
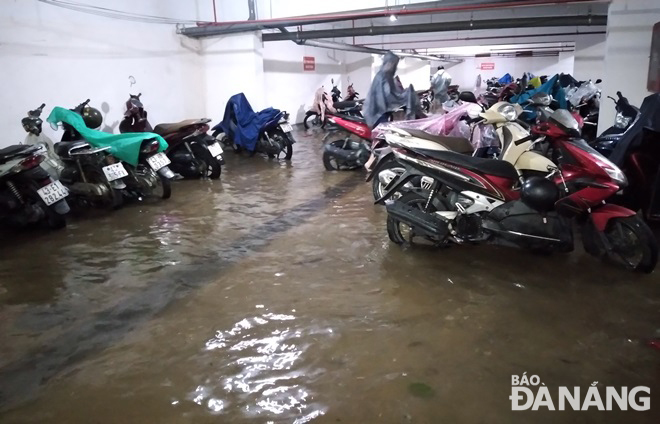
x=485, y=200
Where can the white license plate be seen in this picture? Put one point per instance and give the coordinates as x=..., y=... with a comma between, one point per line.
x=215, y=149
x=53, y=192
x=115, y=171
x=286, y=127
x=158, y=161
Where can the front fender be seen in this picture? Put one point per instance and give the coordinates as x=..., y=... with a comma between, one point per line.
x=602, y=215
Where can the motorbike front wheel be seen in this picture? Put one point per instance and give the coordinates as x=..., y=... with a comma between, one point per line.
x=213, y=167
x=313, y=120
x=633, y=243
x=284, y=141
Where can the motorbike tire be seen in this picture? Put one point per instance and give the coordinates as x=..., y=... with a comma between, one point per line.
x=309, y=123
x=213, y=166
x=644, y=240
x=226, y=141
x=167, y=187
x=115, y=199
x=288, y=145
x=377, y=186
x=410, y=198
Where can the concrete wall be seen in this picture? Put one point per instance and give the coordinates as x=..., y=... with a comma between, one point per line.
x=60, y=57
x=628, y=48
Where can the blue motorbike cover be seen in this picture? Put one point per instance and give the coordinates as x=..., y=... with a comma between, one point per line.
x=506, y=79
x=551, y=87
x=243, y=125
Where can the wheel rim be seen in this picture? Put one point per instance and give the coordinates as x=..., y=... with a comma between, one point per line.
x=385, y=177
x=626, y=245
x=405, y=231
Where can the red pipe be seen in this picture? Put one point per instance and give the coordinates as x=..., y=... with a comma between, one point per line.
x=215, y=18
x=367, y=15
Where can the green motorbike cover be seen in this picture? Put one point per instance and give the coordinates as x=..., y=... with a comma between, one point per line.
x=123, y=146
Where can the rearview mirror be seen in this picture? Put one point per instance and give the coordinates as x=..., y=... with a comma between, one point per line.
x=598, y=81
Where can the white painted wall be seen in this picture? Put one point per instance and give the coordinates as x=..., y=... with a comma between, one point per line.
x=60, y=57
x=230, y=65
x=358, y=72
x=288, y=86
x=628, y=48
x=465, y=74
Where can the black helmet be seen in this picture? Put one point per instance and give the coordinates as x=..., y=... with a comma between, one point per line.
x=539, y=193
x=32, y=124
x=467, y=96
x=92, y=117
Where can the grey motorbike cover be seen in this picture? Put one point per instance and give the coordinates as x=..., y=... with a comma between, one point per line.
x=384, y=96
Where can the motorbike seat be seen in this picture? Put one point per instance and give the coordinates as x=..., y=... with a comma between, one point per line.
x=63, y=147
x=14, y=150
x=345, y=105
x=164, y=129
x=455, y=144
x=497, y=168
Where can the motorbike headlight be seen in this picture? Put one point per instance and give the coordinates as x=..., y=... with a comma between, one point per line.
x=508, y=111
x=621, y=121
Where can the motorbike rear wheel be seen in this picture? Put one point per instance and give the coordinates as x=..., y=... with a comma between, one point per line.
x=400, y=232
x=113, y=199
x=377, y=186
x=213, y=167
x=313, y=120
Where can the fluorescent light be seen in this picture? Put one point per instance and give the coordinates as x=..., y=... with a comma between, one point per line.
x=393, y=18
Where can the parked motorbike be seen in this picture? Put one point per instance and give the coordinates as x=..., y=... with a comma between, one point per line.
x=336, y=93
x=316, y=116
x=28, y=194
x=191, y=151
x=32, y=124
x=346, y=153
x=425, y=100
x=487, y=201
x=90, y=174
x=637, y=151
x=352, y=94
x=267, y=131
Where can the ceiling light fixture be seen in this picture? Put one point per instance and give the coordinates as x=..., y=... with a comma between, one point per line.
x=393, y=18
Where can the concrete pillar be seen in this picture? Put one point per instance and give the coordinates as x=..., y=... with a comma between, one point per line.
x=628, y=47
x=589, y=62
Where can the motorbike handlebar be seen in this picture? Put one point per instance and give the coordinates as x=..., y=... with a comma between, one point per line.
x=475, y=119
x=619, y=95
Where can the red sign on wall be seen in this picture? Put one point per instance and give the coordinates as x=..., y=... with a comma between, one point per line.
x=309, y=63
x=487, y=66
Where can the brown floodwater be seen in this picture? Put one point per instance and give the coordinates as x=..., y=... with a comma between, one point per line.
x=275, y=295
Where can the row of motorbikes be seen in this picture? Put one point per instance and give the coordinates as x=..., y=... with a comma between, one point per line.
x=41, y=181
x=516, y=174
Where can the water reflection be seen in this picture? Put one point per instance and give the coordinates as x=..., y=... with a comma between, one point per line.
x=262, y=369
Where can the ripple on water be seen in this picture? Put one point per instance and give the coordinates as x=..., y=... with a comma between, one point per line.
x=262, y=369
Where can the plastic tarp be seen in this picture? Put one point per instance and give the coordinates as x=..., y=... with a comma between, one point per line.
x=386, y=96
x=242, y=124
x=440, y=85
x=123, y=146
x=551, y=87
x=649, y=117
x=584, y=92
x=449, y=124
x=506, y=79
x=322, y=103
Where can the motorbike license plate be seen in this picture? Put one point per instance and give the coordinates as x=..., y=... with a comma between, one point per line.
x=215, y=149
x=115, y=171
x=158, y=161
x=286, y=127
x=53, y=192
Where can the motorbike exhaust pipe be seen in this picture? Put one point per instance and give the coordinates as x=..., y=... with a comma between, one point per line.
x=423, y=223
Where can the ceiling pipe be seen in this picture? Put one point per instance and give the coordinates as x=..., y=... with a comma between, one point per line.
x=209, y=29
x=550, y=21
x=491, y=37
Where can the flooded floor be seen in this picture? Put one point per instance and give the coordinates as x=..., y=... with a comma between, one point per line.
x=275, y=295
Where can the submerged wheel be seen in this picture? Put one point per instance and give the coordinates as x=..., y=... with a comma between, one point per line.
x=633, y=243
x=390, y=170
x=213, y=168
x=113, y=199
x=400, y=232
x=313, y=120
